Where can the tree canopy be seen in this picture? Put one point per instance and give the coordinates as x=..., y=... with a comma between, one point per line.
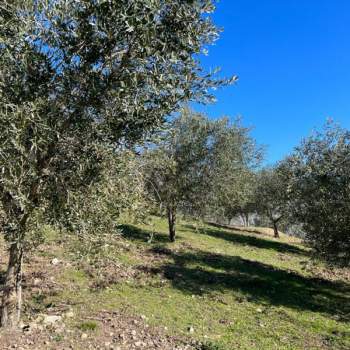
x=201, y=166
x=319, y=191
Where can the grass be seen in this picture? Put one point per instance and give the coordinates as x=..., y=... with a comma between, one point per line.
x=237, y=290
x=87, y=326
x=244, y=291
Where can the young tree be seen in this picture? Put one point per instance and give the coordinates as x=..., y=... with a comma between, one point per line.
x=201, y=166
x=78, y=78
x=240, y=200
x=234, y=158
x=319, y=191
x=178, y=167
x=271, y=196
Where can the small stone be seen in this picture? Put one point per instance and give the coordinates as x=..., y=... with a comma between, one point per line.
x=259, y=310
x=69, y=314
x=190, y=329
x=59, y=330
x=51, y=319
x=84, y=336
x=36, y=281
x=55, y=261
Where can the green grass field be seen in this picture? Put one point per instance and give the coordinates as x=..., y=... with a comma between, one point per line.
x=227, y=289
x=232, y=290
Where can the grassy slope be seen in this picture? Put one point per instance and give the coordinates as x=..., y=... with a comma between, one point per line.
x=245, y=291
x=238, y=290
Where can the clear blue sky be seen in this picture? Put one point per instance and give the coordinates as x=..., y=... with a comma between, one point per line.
x=293, y=62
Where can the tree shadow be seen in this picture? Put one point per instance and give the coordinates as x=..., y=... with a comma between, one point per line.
x=133, y=233
x=245, y=239
x=2, y=278
x=2, y=281
x=203, y=272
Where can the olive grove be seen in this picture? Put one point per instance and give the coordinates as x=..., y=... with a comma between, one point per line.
x=79, y=81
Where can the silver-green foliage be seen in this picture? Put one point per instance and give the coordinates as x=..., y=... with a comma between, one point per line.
x=80, y=79
x=177, y=168
x=319, y=190
x=202, y=166
x=270, y=196
x=234, y=158
x=78, y=76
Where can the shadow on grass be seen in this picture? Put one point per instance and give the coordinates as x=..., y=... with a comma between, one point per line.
x=134, y=233
x=201, y=272
x=2, y=281
x=246, y=239
x=2, y=278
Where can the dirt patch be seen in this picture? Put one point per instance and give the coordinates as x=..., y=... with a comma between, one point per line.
x=103, y=330
x=110, y=330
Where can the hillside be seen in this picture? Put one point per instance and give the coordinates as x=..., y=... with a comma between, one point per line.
x=213, y=289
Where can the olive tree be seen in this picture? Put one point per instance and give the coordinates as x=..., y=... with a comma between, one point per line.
x=177, y=168
x=270, y=196
x=201, y=166
x=78, y=78
x=319, y=191
x=234, y=158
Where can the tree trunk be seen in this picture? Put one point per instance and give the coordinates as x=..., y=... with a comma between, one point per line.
x=246, y=219
x=275, y=230
x=172, y=223
x=12, y=289
x=243, y=220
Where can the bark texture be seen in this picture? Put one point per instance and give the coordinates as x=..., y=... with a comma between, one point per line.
x=12, y=290
x=172, y=223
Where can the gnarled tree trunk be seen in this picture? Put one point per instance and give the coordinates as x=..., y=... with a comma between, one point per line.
x=12, y=290
x=171, y=211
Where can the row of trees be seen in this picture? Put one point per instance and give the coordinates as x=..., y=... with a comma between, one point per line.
x=310, y=189
x=211, y=169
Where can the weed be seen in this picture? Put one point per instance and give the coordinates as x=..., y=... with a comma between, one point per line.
x=88, y=326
